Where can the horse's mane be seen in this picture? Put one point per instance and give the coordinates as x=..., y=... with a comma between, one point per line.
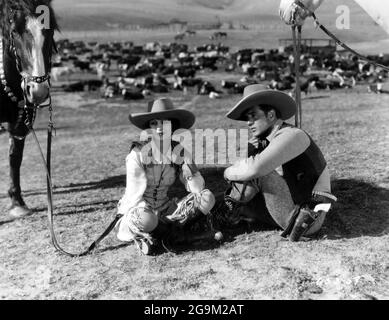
x=26, y=8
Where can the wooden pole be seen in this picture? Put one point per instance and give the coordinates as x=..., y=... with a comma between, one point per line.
x=297, y=54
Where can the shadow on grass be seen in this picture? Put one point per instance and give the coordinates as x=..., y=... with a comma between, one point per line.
x=108, y=183
x=315, y=97
x=361, y=210
x=113, y=247
x=79, y=208
x=213, y=177
x=4, y=222
x=214, y=181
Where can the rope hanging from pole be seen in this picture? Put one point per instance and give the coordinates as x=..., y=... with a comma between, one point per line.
x=337, y=40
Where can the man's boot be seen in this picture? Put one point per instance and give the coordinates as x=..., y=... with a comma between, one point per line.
x=225, y=214
x=302, y=220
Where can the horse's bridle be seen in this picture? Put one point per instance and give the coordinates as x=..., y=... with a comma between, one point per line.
x=26, y=78
x=22, y=103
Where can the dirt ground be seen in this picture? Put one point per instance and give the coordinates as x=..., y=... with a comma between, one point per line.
x=348, y=259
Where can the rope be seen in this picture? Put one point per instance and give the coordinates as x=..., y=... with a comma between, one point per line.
x=337, y=40
x=29, y=123
x=50, y=214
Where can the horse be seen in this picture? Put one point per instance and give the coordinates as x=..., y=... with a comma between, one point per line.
x=26, y=48
x=190, y=32
x=218, y=35
x=179, y=36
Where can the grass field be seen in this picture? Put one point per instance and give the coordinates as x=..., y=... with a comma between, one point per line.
x=347, y=260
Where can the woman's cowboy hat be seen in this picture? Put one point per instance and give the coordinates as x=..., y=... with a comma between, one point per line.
x=254, y=95
x=163, y=109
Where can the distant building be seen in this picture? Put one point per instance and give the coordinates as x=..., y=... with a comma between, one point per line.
x=177, y=25
x=310, y=45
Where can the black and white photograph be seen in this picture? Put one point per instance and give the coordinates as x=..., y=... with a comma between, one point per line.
x=213, y=152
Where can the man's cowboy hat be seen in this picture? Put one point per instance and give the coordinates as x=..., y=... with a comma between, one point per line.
x=254, y=95
x=163, y=109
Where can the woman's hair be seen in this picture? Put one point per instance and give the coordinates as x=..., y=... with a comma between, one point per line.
x=175, y=124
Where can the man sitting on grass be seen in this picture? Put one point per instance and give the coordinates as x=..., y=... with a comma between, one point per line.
x=284, y=181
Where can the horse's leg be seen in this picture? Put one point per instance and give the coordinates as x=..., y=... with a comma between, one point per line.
x=18, y=207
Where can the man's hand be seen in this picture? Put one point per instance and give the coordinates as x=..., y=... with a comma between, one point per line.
x=238, y=169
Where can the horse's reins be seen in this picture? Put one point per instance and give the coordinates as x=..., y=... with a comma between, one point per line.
x=23, y=105
x=337, y=40
x=50, y=209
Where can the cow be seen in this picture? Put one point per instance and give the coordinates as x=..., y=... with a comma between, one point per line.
x=230, y=67
x=159, y=88
x=190, y=32
x=233, y=87
x=74, y=87
x=156, y=63
x=205, y=88
x=137, y=50
x=206, y=62
x=167, y=70
x=202, y=48
x=185, y=72
x=159, y=79
x=185, y=59
x=228, y=84
x=82, y=65
x=179, y=36
x=93, y=85
x=58, y=72
x=101, y=69
x=132, y=94
x=130, y=60
x=218, y=35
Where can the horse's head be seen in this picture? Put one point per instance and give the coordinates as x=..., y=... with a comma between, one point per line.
x=31, y=44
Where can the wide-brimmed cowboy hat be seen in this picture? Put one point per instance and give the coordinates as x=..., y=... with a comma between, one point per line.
x=254, y=95
x=163, y=109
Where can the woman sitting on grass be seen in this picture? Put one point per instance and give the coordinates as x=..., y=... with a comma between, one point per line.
x=148, y=212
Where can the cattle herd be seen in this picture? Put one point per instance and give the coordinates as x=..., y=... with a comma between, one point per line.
x=135, y=71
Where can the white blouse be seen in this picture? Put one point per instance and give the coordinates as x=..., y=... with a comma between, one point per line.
x=148, y=184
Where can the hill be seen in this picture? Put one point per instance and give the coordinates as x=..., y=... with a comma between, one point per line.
x=260, y=15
